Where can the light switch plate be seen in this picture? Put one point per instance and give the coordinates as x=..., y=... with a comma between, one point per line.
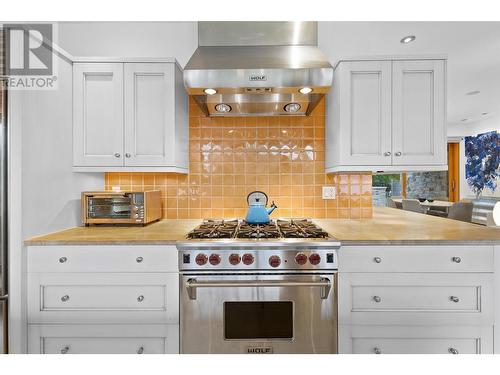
x=329, y=192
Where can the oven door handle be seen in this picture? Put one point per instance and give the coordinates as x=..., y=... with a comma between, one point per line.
x=192, y=284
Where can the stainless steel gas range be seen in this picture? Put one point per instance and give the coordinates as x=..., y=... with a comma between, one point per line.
x=258, y=288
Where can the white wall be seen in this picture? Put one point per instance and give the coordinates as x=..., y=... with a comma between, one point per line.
x=130, y=39
x=472, y=129
x=50, y=189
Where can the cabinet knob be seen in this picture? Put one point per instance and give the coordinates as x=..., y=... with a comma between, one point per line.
x=388, y=153
x=127, y=155
x=63, y=259
x=452, y=351
x=140, y=350
x=377, y=299
x=454, y=299
x=65, y=350
x=65, y=298
x=139, y=259
x=117, y=155
x=456, y=259
x=377, y=260
x=140, y=298
x=377, y=350
x=399, y=153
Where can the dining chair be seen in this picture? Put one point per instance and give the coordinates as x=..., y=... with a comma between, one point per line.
x=413, y=205
x=461, y=211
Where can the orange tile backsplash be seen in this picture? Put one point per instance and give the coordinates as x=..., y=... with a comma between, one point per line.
x=231, y=157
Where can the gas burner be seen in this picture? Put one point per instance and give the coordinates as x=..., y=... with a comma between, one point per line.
x=258, y=230
x=281, y=228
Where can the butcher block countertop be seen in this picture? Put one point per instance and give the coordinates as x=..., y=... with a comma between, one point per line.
x=394, y=226
x=388, y=226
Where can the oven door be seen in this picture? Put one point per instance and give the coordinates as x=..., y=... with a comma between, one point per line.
x=109, y=208
x=259, y=313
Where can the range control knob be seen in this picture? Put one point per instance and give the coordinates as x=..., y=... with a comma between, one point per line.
x=247, y=259
x=314, y=258
x=201, y=259
x=274, y=261
x=301, y=258
x=234, y=259
x=214, y=259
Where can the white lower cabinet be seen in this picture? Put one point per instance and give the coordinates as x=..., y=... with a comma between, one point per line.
x=103, y=339
x=416, y=339
x=103, y=299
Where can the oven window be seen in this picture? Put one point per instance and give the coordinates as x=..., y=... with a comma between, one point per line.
x=258, y=320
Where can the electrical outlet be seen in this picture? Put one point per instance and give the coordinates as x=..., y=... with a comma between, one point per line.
x=329, y=192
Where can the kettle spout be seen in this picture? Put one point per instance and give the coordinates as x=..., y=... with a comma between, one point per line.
x=272, y=208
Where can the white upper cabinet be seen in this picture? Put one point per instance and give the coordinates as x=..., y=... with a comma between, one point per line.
x=98, y=114
x=418, y=112
x=130, y=116
x=387, y=115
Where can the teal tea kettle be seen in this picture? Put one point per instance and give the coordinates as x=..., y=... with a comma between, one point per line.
x=257, y=211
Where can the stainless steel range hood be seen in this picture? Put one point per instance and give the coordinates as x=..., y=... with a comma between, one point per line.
x=257, y=69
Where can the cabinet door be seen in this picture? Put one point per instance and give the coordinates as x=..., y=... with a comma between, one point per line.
x=149, y=114
x=98, y=114
x=419, y=112
x=365, y=118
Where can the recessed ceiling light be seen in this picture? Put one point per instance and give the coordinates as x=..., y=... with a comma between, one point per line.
x=475, y=92
x=305, y=90
x=485, y=113
x=408, y=39
x=464, y=119
x=210, y=91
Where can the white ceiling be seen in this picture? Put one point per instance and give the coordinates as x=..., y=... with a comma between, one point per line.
x=473, y=50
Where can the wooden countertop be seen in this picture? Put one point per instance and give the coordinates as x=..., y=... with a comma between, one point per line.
x=388, y=226
x=393, y=226
x=161, y=232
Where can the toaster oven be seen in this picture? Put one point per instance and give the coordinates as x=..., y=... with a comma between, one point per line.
x=124, y=207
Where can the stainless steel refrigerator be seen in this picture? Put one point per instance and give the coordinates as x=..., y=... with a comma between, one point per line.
x=4, y=287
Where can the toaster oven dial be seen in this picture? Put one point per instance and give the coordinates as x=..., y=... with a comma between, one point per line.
x=214, y=259
x=234, y=259
x=315, y=259
x=301, y=259
x=201, y=259
x=247, y=259
x=274, y=261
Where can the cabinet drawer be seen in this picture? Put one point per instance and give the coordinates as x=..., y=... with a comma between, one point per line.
x=426, y=299
x=101, y=298
x=416, y=259
x=417, y=340
x=103, y=339
x=90, y=258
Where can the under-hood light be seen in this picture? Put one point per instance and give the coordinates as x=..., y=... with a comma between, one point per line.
x=210, y=91
x=222, y=107
x=305, y=90
x=292, y=107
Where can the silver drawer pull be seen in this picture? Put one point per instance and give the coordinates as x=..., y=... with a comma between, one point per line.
x=139, y=259
x=140, y=298
x=65, y=298
x=456, y=259
x=140, y=350
x=377, y=350
x=63, y=259
x=454, y=299
x=377, y=299
x=452, y=351
x=65, y=350
x=117, y=155
x=377, y=260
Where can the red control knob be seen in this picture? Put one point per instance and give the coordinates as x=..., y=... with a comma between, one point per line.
x=301, y=258
x=214, y=259
x=274, y=261
x=201, y=259
x=234, y=259
x=247, y=259
x=314, y=259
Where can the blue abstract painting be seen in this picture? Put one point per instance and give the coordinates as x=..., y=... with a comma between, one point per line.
x=482, y=167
